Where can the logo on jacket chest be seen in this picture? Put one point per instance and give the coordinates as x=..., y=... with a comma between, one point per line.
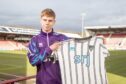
x=40, y=44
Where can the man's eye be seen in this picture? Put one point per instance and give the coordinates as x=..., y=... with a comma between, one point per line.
x=44, y=20
x=50, y=20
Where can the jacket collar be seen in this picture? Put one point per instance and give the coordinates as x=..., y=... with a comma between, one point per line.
x=44, y=33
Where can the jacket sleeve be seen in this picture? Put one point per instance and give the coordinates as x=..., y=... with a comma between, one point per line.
x=35, y=56
x=63, y=37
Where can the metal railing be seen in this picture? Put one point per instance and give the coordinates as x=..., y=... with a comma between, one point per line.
x=12, y=81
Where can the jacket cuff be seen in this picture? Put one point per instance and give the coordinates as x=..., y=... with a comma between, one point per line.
x=48, y=51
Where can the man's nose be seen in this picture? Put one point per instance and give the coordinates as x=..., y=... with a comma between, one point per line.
x=47, y=22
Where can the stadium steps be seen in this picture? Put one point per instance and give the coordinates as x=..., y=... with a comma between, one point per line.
x=115, y=41
x=11, y=45
x=4, y=45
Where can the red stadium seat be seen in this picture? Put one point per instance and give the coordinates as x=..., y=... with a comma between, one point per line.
x=11, y=45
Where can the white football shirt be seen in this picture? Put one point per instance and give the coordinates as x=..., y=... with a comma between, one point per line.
x=82, y=61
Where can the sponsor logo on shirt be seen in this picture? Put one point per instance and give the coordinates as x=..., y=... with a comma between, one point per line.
x=83, y=59
x=40, y=44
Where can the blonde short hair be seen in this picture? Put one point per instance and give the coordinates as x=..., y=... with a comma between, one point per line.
x=48, y=12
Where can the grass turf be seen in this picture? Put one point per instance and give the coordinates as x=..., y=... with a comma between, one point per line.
x=12, y=62
x=116, y=67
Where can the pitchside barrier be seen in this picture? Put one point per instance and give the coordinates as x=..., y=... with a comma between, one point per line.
x=13, y=81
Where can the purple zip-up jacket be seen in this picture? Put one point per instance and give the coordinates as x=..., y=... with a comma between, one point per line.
x=38, y=50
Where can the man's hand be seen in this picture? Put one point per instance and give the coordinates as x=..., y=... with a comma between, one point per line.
x=55, y=46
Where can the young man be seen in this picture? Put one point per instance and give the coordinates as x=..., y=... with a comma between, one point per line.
x=40, y=48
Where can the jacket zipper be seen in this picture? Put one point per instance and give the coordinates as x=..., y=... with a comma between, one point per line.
x=47, y=39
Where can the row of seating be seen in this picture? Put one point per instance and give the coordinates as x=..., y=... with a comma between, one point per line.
x=114, y=41
x=11, y=45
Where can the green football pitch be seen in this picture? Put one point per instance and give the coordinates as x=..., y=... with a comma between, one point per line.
x=13, y=64
x=116, y=67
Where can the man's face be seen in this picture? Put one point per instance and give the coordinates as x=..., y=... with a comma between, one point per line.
x=47, y=23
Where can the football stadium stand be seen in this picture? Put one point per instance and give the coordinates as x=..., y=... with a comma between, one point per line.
x=11, y=45
x=114, y=36
x=17, y=38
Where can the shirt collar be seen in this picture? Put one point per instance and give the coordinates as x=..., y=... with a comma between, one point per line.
x=44, y=33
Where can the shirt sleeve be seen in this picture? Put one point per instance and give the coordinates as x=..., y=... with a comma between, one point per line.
x=35, y=56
